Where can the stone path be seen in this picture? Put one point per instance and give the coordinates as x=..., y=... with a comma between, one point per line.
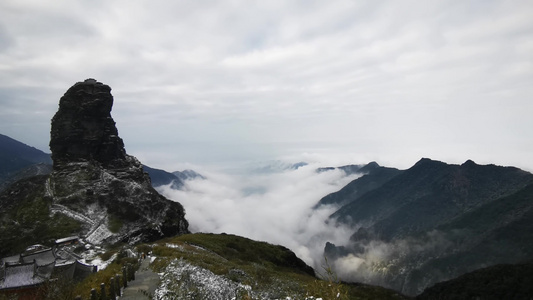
x=144, y=285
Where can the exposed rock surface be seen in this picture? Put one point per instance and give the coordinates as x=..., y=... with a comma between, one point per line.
x=95, y=178
x=95, y=190
x=83, y=129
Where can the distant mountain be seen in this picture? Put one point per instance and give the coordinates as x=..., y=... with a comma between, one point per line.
x=29, y=171
x=435, y=221
x=175, y=179
x=430, y=194
x=352, y=169
x=15, y=155
x=188, y=175
x=18, y=160
x=162, y=177
x=276, y=166
x=375, y=176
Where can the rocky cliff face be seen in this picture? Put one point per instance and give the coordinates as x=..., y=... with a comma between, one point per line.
x=95, y=182
x=83, y=129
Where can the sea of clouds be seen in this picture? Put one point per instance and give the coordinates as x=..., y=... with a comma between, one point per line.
x=272, y=203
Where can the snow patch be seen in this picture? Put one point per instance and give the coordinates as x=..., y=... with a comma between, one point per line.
x=181, y=280
x=98, y=235
x=175, y=246
x=101, y=264
x=57, y=208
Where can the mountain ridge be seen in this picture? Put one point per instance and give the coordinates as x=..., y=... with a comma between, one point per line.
x=373, y=177
x=17, y=157
x=424, y=217
x=42, y=165
x=512, y=210
x=428, y=178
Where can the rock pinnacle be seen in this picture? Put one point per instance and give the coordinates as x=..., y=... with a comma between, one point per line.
x=83, y=129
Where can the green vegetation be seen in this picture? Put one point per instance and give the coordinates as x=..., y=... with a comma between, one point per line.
x=241, y=260
x=29, y=221
x=244, y=251
x=258, y=270
x=93, y=281
x=496, y=282
x=115, y=224
x=265, y=268
x=330, y=287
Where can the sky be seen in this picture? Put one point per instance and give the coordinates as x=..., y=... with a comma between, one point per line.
x=224, y=82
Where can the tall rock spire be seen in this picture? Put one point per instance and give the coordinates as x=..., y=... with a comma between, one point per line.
x=95, y=178
x=83, y=129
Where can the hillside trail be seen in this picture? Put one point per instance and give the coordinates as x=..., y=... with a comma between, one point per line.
x=144, y=285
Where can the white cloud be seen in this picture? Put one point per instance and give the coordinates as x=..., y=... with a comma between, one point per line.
x=272, y=207
x=311, y=72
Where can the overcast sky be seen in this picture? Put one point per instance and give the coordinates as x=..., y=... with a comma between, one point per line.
x=218, y=82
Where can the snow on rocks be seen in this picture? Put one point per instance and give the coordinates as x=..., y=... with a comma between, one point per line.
x=102, y=264
x=57, y=208
x=181, y=280
x=99, y=234
x=175, y=246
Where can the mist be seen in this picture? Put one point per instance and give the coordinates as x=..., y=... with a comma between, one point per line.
x=389, y=264
x=274, y=206
x=275, y=202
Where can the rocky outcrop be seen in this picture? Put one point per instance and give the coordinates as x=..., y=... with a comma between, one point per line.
x=83, y=129
x=95, y=178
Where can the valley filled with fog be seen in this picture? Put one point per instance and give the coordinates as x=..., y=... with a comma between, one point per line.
x=401, y=229
x=270, y=202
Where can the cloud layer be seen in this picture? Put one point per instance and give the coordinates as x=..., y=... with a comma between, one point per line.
x=392, y=80
x=275, y=207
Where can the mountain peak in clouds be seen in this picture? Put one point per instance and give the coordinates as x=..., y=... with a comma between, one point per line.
x=276, y=166
x=188, y=175
x=352, y=169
